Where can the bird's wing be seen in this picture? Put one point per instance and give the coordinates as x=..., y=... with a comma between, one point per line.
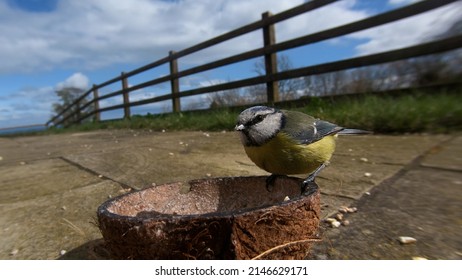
x=305, y=129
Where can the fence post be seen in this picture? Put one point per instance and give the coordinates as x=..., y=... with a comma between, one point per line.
x=271, y=66
x=96, y=104
x=175, y=84
x=125, y=96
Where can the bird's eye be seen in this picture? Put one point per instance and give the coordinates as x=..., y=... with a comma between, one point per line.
x=258, y=118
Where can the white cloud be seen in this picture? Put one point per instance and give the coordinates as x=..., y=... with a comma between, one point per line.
x=77, y=80
x=410, y=31
x=90, y=34
x=27, y=106
x=33, y=105
x=337, y=14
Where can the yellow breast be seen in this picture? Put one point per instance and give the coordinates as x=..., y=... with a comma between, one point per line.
x=284, y=156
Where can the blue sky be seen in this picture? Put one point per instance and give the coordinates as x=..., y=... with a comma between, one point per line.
x=49, y=44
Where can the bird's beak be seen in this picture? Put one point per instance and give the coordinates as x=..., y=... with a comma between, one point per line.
x=239, y=127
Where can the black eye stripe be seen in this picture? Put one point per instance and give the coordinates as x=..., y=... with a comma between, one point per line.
x=257, y=119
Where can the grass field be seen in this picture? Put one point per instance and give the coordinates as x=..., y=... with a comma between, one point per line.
x=437, y=112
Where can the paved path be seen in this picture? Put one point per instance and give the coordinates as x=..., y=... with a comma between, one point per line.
x=51, y=186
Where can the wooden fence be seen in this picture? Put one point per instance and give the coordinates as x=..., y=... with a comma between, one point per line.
x=268, y=51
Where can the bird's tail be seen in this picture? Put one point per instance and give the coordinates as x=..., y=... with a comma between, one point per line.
x=352, y=131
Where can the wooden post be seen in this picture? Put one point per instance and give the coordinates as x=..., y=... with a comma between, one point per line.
x=175, y=84
x=125, y=96
x=96, y=104
x=271, y=66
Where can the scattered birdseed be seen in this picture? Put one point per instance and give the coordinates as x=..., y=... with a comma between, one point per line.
x=335, y=224
x=345, y=209
x=330, y=220
x=406, y=240
x=352, y=210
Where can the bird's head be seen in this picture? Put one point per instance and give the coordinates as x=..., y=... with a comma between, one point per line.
x=258, y=125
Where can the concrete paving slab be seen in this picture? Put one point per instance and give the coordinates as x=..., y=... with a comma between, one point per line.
x=18, y=149
x=448, y=156
x=42, y=228
x=40, y=175
x=424, y=204
x=387, y=149
x=340, y=179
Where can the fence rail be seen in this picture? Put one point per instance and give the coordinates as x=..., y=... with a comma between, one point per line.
x=268, y=52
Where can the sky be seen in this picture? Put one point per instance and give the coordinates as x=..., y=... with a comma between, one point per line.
x=47, y=45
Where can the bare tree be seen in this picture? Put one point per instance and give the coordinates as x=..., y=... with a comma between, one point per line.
x=288, y=89
x=256, y=94
x=226, y=98
x=325, y=84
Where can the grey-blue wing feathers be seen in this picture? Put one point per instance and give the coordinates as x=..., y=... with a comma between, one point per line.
x=306, y=129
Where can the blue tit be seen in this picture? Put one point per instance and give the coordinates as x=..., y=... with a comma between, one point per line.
x=285, y=142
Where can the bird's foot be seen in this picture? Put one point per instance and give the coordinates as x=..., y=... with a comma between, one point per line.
x=308, y=187
x=270, y=182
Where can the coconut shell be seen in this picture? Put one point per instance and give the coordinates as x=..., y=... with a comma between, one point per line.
x=215, y=218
